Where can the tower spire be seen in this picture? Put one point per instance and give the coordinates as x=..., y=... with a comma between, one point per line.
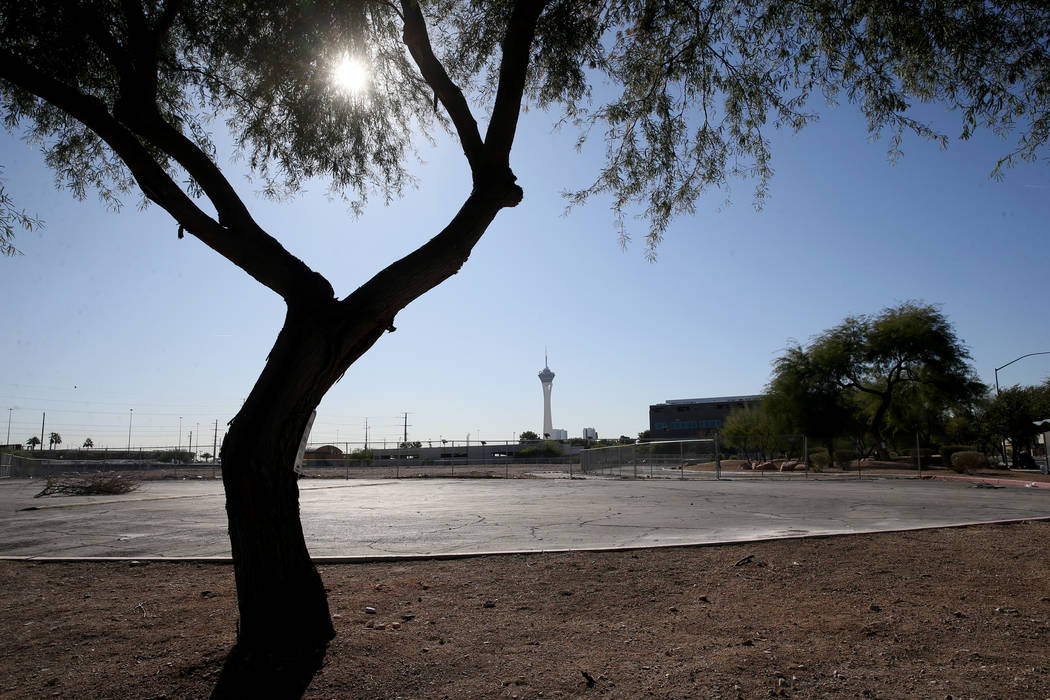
x=546, y=380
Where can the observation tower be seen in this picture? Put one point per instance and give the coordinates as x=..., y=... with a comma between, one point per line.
x=547, y=380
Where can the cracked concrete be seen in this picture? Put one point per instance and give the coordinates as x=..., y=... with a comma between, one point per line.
x=461, y=516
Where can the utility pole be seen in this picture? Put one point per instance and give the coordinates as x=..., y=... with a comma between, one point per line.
x=131, y=414
x=366, y=433
x=405, y=438
x=43, y=415
x=8, y=441
x=215, y=441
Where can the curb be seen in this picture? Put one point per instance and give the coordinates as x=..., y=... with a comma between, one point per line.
x=991, y=480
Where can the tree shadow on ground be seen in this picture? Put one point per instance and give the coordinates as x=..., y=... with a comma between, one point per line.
x=268, y=674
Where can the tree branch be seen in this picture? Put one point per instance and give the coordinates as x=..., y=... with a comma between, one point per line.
x=251, y=249
x=417, y=40
x=517, y=45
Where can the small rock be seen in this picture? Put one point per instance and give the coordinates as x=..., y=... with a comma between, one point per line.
x=207, y=594
x=370, y=610
x=704, y=599
x=672, y=609
x=408, y=616
x=489, y=604
x=136, y=562
x=874, y=608
x=380, y=626
x=395, y=625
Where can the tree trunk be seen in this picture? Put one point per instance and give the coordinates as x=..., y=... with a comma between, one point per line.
x=284, y=622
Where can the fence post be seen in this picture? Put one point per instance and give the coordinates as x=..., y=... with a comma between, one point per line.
x=681, y=460
x=918, y=455
x=718, y=459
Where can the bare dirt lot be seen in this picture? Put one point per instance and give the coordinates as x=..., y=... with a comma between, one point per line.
x=962, y=612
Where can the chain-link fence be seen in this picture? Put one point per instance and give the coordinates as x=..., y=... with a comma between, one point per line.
x=710, y=458
x=681, y=459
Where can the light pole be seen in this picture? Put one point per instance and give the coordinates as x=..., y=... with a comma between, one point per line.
x=178, y=447
x=131, y=412
x=1010, y=363
x=1002, y=443
x=8, y=440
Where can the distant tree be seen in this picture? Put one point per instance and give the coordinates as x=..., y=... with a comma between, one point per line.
x=410, y=445
x=53, y=440
x=122, y=95
x=869, y=363
x=528, y=436
x=804, y=397
x=1011, y=416
x=206, y=456
x=645, y=435
x=625, y=440
x=89, y=443
x=32, y=442
x=747, y=421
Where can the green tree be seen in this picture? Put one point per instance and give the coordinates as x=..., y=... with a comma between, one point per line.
x=903, y=362
x=1011, y=416
x=910, y=347
x=121, y=97
x=88, y=443
x=32, y=442
x=804, y=397
x=528, y=436
x=53, y=440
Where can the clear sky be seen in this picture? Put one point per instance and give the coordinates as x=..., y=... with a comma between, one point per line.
x=107, y=312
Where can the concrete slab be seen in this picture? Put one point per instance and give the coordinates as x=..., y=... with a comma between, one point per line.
x=460, y=516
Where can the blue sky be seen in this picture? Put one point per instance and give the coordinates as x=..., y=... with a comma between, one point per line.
x=107, y=312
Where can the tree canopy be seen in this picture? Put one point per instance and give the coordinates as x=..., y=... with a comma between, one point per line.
x=682, y=94
x=1012, y=415
x=873, y=374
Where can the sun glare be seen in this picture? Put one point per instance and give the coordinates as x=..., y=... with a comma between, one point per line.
x=350, y=75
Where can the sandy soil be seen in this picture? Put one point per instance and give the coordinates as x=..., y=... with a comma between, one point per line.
x=946, y=613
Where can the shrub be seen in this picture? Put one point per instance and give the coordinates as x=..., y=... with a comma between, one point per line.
x=819, y=459
x=98, y=484
x=548, y=448
x=963, y=462
x=948, y=450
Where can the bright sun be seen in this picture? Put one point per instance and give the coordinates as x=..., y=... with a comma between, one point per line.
x=350, y=75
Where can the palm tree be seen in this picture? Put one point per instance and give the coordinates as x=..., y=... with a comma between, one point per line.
x=32, y=442
x=54, y=440
x=89, y=443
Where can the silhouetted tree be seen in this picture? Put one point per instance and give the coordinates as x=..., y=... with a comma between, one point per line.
x=122, y=96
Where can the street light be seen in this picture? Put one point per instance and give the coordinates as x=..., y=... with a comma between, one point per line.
x=1010, y=363
x=1002, y=444
x=8, y=440
x=131, y=412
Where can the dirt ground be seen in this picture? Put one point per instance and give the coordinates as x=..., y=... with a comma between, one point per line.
x=948, y=613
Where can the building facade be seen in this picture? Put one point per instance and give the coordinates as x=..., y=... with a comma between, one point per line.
x=695, y=418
